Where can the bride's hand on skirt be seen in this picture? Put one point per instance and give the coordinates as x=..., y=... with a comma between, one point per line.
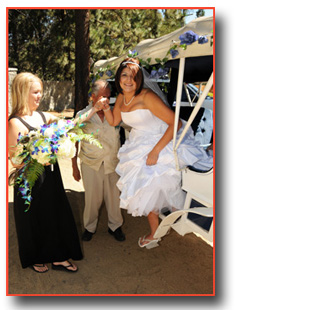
x=152, y=158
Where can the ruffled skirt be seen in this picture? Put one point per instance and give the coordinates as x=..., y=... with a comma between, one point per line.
x=146, y=189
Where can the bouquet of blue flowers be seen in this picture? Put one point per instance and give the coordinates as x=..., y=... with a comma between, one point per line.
x=44, y=147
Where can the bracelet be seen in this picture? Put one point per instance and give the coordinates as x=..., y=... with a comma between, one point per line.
x=107, y=109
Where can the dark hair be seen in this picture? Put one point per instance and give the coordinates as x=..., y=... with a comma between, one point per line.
x=134, y=65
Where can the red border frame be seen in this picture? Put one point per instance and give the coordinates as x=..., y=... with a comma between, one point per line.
x=7, y=192
x=7, y=185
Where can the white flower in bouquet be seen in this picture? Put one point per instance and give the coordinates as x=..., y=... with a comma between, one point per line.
x=66, y=148
x=61, y=123
x=19, y=155
x=49, y=132
x=43, y=159
x=34, y=135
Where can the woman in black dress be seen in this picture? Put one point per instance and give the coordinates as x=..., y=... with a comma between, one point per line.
x=46, y=232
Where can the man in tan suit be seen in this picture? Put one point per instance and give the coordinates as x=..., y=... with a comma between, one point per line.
x=98, y=168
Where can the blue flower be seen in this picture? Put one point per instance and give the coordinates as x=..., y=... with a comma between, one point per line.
x=54, y=148
x=153, y=74
x=162, y=72
x=23, y=191
x=174, y=53
x=43, y=128
x=132, y=53
x=202, y=40
x=19, y=136
x=188, y=37
x=58, y=133
x=109, y=73
x=35, y=151
x=45, y=149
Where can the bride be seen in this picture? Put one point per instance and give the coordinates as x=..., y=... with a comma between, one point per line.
x=148, y=180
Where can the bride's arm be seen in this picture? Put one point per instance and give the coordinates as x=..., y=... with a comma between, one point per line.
x=113, y=117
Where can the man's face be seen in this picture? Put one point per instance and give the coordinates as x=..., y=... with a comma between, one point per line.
x=103, y=92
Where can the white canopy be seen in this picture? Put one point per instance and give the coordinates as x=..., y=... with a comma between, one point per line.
x=157, y=48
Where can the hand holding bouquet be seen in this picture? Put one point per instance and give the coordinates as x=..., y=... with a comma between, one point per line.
x=44, y=147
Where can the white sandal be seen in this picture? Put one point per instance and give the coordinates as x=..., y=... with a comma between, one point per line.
x=151, y=243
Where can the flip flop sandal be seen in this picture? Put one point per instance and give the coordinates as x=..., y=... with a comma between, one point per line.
x=150, y=243
x=64, y=268
x=33, y=267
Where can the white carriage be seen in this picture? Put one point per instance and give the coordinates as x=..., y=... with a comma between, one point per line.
x=193, y=64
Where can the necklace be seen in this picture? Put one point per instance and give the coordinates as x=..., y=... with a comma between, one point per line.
x=124, y=100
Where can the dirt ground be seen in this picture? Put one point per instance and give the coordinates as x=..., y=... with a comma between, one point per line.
x=180, y=265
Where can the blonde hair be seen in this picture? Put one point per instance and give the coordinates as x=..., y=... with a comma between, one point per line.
x=20, y=89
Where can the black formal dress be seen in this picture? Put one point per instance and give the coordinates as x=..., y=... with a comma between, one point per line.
x=47, y=231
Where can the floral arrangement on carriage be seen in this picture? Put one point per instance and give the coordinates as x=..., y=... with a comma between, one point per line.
x=44, y=146
x=156, y=68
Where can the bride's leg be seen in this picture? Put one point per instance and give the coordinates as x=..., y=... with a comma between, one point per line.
x=153, y=221
x=148, y=240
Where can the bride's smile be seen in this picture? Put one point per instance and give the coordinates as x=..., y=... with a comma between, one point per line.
x=127, y=81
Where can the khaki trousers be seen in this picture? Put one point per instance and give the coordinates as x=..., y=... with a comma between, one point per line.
x=100, y=187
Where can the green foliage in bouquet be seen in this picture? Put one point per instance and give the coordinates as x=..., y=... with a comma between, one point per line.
x=44, y=147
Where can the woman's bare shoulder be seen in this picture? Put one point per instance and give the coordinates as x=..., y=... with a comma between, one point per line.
x=151, y=99
x=146, y=91
x=15, y=126
x=15, y=122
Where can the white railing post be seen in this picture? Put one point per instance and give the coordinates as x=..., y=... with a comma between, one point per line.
x=178, y=104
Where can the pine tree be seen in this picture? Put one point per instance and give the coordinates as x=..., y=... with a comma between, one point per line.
x=114, y=32
x=172, y=20
x=43, y=41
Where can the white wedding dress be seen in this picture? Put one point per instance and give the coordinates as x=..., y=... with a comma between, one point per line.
x=152, y=188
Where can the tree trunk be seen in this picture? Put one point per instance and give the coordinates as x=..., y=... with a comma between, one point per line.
x=82, y=58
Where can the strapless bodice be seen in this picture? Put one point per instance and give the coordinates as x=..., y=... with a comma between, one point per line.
x=144, y=120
